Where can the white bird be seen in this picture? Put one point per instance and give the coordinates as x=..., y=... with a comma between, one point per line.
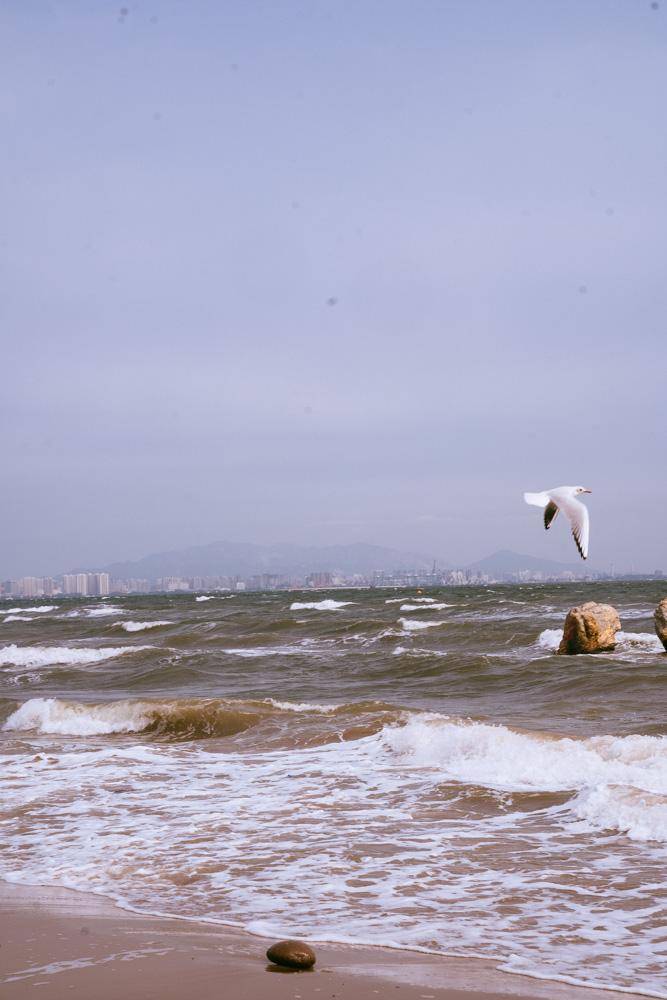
x=564, y=498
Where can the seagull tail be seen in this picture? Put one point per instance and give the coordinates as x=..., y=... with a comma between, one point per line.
x=537, y=499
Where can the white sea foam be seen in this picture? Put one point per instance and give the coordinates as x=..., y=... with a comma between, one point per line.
x=326, y=605
x=368, y=836
x=626, y=642
x=100, y=611
x=18, y=618
x=299, y=706
x=416, y=652
x=497, y=757
x=141, y=626
x=550, y=638
x=421, y=607
x=205, y=597
x=256, y=652
x=412, y=625
x=413, y=600
x=639, y=814
x=46, y=656
x=41, y=609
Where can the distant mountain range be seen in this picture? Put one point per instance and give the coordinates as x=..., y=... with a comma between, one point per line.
x=246, y=559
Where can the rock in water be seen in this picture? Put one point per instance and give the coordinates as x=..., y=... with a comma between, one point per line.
x=660, y=618
x=590, y=628
x=293, y=954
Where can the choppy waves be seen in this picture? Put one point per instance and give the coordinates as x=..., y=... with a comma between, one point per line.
x=438, y=781
x=423, y=832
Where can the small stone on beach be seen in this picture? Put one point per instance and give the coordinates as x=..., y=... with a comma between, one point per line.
x=292, y=954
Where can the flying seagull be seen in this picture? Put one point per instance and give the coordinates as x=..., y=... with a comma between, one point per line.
x=565, y=498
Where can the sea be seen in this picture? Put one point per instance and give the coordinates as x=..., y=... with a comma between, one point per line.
x=412, y=769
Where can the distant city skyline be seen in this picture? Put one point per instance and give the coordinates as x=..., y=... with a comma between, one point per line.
x=502, y=566
x=330, y=273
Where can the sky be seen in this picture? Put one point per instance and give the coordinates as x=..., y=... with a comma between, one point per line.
x=324, y=272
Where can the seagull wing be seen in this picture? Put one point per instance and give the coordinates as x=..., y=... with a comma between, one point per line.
x=537, y=499
x=550, y=512
x=577, y=514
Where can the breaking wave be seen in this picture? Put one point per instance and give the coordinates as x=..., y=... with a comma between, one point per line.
x=103, y=611
x=141, y=626
x=326, y=605
x=621, y=781
x=182, y=720
x=47, y=656
x=412, y=625
x=41, y=609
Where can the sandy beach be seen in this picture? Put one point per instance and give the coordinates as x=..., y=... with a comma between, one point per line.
x=56, y=943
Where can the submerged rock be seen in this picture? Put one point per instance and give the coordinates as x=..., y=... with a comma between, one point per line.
x=590, y=628
x=660, y=618
x=293, y=954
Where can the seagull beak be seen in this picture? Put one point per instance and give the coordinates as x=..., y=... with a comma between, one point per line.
x=587, y=491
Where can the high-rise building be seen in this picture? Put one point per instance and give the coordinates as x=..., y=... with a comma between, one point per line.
x=98, y=584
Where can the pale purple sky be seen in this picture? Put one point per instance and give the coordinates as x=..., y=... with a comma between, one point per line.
x=331, y=271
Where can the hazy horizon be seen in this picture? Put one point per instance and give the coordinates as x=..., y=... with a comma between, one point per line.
x=329, y=273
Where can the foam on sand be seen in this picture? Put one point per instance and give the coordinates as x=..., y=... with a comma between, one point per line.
x=141, y=626
x=327, y=605
x=46, y=656
x=18, y=618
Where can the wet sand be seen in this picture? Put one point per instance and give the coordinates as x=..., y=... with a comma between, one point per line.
x=56, y=944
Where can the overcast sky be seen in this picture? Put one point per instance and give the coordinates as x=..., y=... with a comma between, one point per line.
x=326, y=272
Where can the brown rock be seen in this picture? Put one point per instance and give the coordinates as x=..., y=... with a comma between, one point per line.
x=590, y=628
x=293, y=954
x=660, y=618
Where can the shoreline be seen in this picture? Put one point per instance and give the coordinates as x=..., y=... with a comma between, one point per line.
x=69, y=943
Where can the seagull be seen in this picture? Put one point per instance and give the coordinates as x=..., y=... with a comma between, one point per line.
x=565, y=498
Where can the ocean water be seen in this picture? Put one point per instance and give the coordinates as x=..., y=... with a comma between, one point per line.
x=409, y=769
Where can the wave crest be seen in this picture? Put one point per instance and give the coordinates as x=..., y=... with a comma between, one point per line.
x=326, y=605
x=48, y=656
x=179, y=720
x=141, y=626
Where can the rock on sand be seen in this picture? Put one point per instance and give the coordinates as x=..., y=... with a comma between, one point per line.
x=293, y=954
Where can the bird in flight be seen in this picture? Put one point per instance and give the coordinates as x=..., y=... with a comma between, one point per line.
x=565, y=498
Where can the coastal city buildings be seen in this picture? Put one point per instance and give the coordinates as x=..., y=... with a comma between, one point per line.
x=100, y=584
